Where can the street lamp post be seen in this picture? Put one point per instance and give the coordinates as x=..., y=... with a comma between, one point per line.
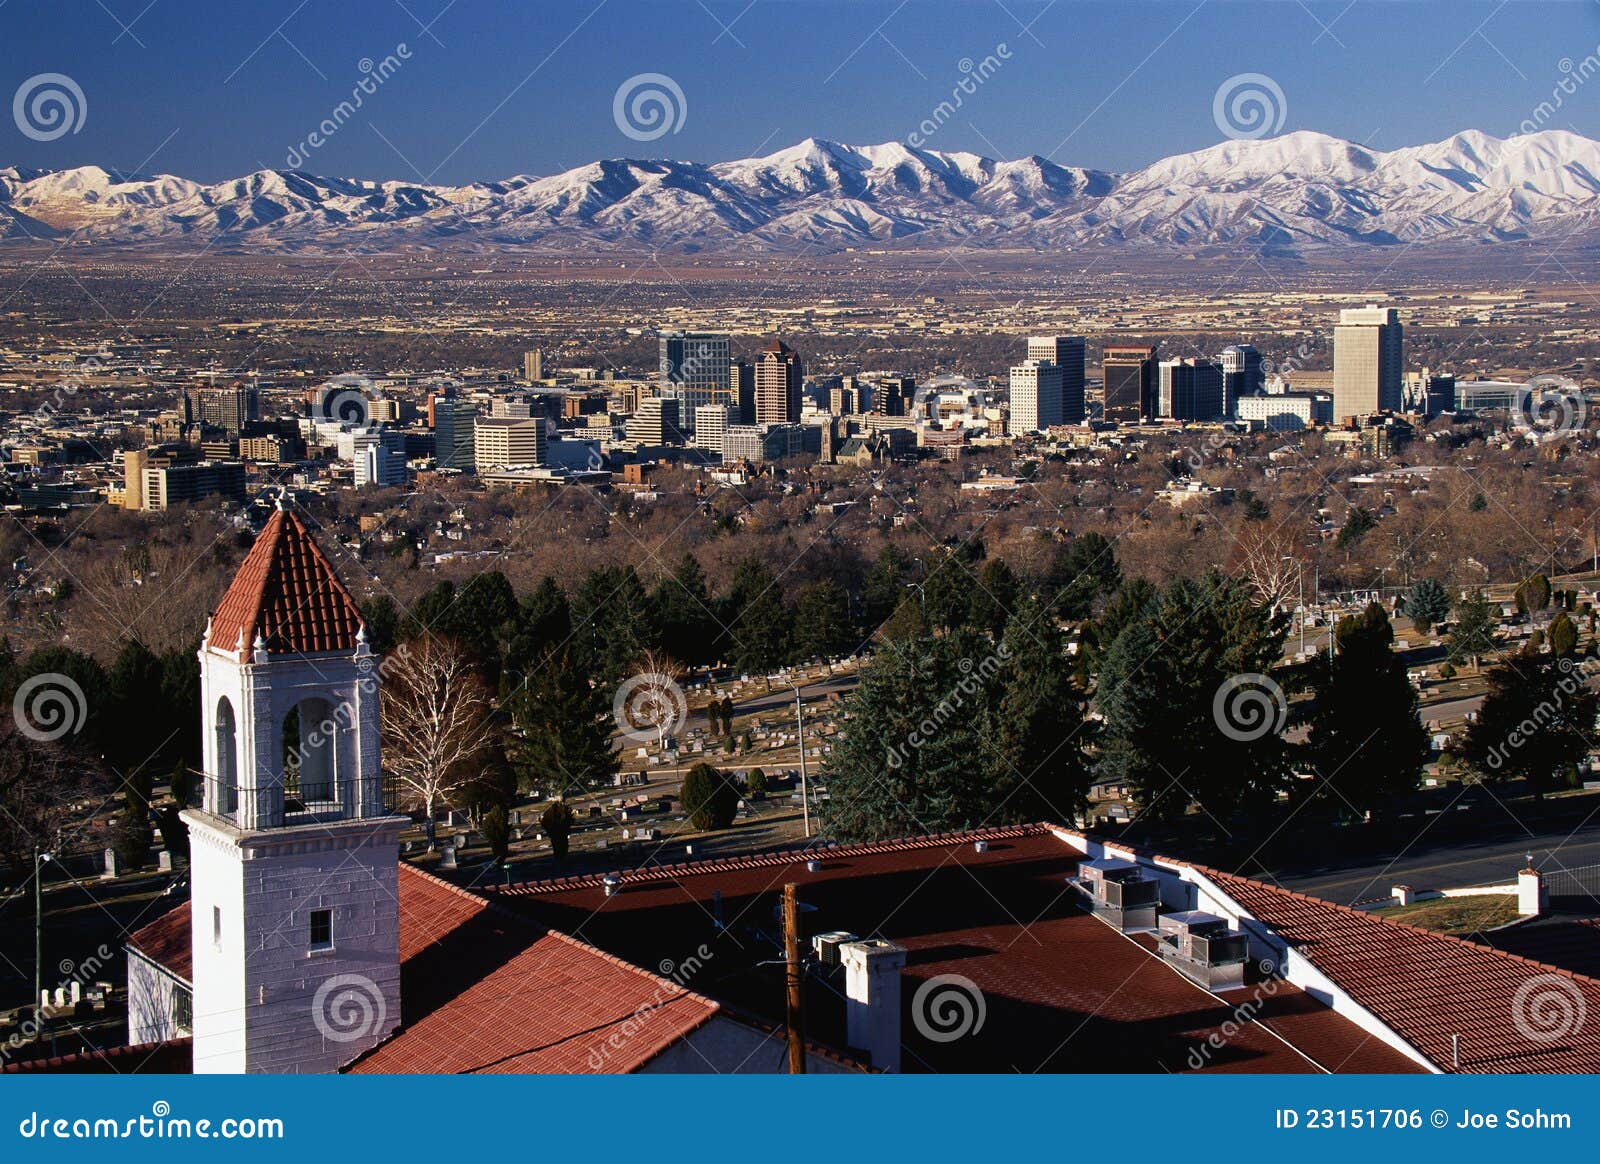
x=805, y=788
x=39, y=858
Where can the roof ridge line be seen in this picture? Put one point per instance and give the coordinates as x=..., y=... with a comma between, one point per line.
x=767, y=860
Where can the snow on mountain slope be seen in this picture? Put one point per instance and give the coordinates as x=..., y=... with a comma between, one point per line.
x=1299, y=190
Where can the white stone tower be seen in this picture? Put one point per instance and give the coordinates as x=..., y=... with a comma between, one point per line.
x=294, y=913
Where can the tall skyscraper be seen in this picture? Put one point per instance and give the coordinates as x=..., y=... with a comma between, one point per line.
x=1130, y=382
x=453, y=422
x=694, y=368
x=1190, y=389
x=1368, y=363
x=779, y=378
x=1035, y=397
x=1241, y=374
x=741, y=397
x=1066, y=353
x=656, y=423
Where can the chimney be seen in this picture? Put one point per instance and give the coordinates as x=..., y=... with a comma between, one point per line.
x=872, y=994
x=1531, y=895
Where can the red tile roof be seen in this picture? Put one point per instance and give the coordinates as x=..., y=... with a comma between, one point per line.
x=171, y=1058
x=481, y=990
x=165, y=942
x=484, y=990
x=1062, y=990
x=286, y=592
x=1512, y=1014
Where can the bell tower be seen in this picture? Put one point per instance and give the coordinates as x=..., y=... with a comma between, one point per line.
x=294, y=866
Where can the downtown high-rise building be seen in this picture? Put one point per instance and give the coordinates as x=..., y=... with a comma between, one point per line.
x=1190, y=389
x=780, y=378
x=741, y=391
x=1368, y=362
x=454, y=421
x=1067, y=353
x=533, y=365
x=1129, y=373
x=694, y=369
x=1241, y=374
x=1035, y=397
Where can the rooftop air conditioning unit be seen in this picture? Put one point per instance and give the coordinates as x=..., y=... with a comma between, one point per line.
x=1120, y=892
x=826, y=946
x=1204, y=948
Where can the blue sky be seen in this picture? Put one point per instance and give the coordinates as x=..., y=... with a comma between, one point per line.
x=490, y=88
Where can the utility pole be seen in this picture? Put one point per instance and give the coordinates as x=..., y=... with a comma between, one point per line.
x=38, y=937
x=792, y=977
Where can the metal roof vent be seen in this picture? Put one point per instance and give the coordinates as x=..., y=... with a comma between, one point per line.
x=612, y=884
x=980, y=846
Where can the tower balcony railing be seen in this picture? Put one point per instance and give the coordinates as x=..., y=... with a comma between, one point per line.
x=291, y=799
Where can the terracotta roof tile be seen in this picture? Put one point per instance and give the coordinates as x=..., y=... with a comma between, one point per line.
x=165, y=942
x=1062, y=990
x=1512, y=1014
x=171, y=1058
x=286, y=591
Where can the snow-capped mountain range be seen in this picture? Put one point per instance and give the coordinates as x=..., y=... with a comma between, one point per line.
x=1300, y=191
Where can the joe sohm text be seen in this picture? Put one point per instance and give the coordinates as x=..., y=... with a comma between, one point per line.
x=1334, y=1118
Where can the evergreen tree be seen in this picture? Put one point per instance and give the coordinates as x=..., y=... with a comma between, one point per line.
x=611, y=623
x=681, y=607
x=1366, y=740
x=906, y=622
x=1082, y=572
x=1473, y=635
x=382, y=620
x=543, y=623
x=914, y=758
x=947, y=591
x=1536, y=720
x=558, y=822
x=1563, y=636
x=133, y=709
x=562, y=736
x=995, y=597
x=710, y=797
x=1036, y=731
x=822, y=621
x=1427, y=605
x=1189, y=711
x=760, y=624
x=884, y=588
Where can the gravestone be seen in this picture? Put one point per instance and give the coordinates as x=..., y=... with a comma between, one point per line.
x=113, y=865
x=164, y=861
x=447, y=856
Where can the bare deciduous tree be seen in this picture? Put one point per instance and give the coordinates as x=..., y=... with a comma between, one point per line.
x=1269, y=561
x=437, y=720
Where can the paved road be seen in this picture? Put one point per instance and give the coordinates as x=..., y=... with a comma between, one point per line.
x=1469, y=864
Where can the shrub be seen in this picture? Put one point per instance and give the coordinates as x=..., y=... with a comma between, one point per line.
x=496, y=829
x=710, y=798
x=756, y=782
x=557, y=821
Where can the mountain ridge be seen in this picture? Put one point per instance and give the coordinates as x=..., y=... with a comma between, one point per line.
x=1300, y=191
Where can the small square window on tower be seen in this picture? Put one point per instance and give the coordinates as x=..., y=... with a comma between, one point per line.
x=322, y=929
x=216, y=926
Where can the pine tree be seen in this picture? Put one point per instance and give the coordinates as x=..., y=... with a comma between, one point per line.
x=710, y=797
x=1427, y=605
x=1535, y=721
x=543, y=623
x=682, y=608
x=1473, y=635
x=1081, y=573
x=1190, y=713
x=884, y=588
x=822, y=621
x=995, y=597
x=1366, y=740
x=760, y=624
x=563, y=724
